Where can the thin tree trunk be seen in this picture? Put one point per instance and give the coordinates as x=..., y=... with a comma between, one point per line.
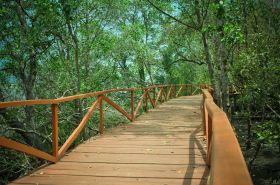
x=222, y=59
x=245, y=25
x=148, y=68
x=146, y=63
x=249, y=126
x=141, y=72
x=210, y=66
x=208, y=59
x=67, y=14
x=27, y=73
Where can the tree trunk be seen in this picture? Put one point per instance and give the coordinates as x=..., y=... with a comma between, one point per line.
x=245, y=25
x=78, y=82
x=141, y=72
x=146, y=63
x=27, y=73
x=208, y=59
x=210, y=66
x=249, y=126
x=222, y=59
x=67, y=13
x=148, y=68
x=125, y=69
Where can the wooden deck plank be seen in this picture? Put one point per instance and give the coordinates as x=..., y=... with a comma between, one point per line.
x=142, y=137
x=164, y=146
x=124, y=170
x=133, y=158
x=92, y=180
x=161, y=142
x=143, y=150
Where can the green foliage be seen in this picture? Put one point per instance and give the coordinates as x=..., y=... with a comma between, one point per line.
x=268, y=132
x=51, y=49
x=233, y=34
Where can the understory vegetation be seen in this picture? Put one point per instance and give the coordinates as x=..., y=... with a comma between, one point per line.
x=51, y=49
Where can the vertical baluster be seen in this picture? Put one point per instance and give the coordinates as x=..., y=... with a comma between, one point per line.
x=154, y=95
x=174, y=95
x=55, y=130
x=171, y=89
x=101, y=127
x=146, y=97
x=132, y=105
x=164, y=97
x=161, y=99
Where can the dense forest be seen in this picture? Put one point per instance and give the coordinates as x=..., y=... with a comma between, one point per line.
x=57, y=48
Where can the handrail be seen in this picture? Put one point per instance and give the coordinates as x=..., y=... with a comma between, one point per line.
x=224, y=155
x=159, y=95
x=86, y=95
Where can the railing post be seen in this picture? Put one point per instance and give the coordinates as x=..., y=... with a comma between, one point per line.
x=146, y=97
x=170, y=95
x=101, y=127
x=164, y=94
x=180, y=89
x=154, y=94
x=161, y=96
x=209, y=138
x=204, y=115
x=174, y=92
x=55, y=130
x=168, y=92
x=132, y=105
x=171, y=91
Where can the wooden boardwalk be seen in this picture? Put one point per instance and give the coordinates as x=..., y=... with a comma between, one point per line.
x=163, y=147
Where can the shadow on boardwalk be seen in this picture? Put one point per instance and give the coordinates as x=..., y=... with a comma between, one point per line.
x=190, y=170
x=162, y=147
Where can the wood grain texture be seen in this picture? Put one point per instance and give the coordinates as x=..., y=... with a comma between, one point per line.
x=164, y=146
x=158, y=96
x=7, y=143
x=79, y=128
x=117, y=107
x=224, y=154
x=26, y=103
x=139, y=104
x=55, y=130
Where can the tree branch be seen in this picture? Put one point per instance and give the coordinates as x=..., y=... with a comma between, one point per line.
x=184, y=58
x=273, y=111
x=20, y=14
x=172, y=17
x=29, y=132
x=205, y=11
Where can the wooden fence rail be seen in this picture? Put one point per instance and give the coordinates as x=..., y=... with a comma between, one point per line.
x=224, y=155
x=160, y=93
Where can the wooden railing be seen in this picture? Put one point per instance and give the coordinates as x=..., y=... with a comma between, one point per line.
x=160, y=93
x=224, y=155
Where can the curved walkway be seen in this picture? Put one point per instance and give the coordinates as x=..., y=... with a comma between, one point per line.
x=164, y=146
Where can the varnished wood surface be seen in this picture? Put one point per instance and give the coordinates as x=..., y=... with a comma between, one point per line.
x=224, y=154
x=164, y=146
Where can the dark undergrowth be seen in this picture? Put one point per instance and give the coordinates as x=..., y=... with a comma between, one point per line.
x=263, y=159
